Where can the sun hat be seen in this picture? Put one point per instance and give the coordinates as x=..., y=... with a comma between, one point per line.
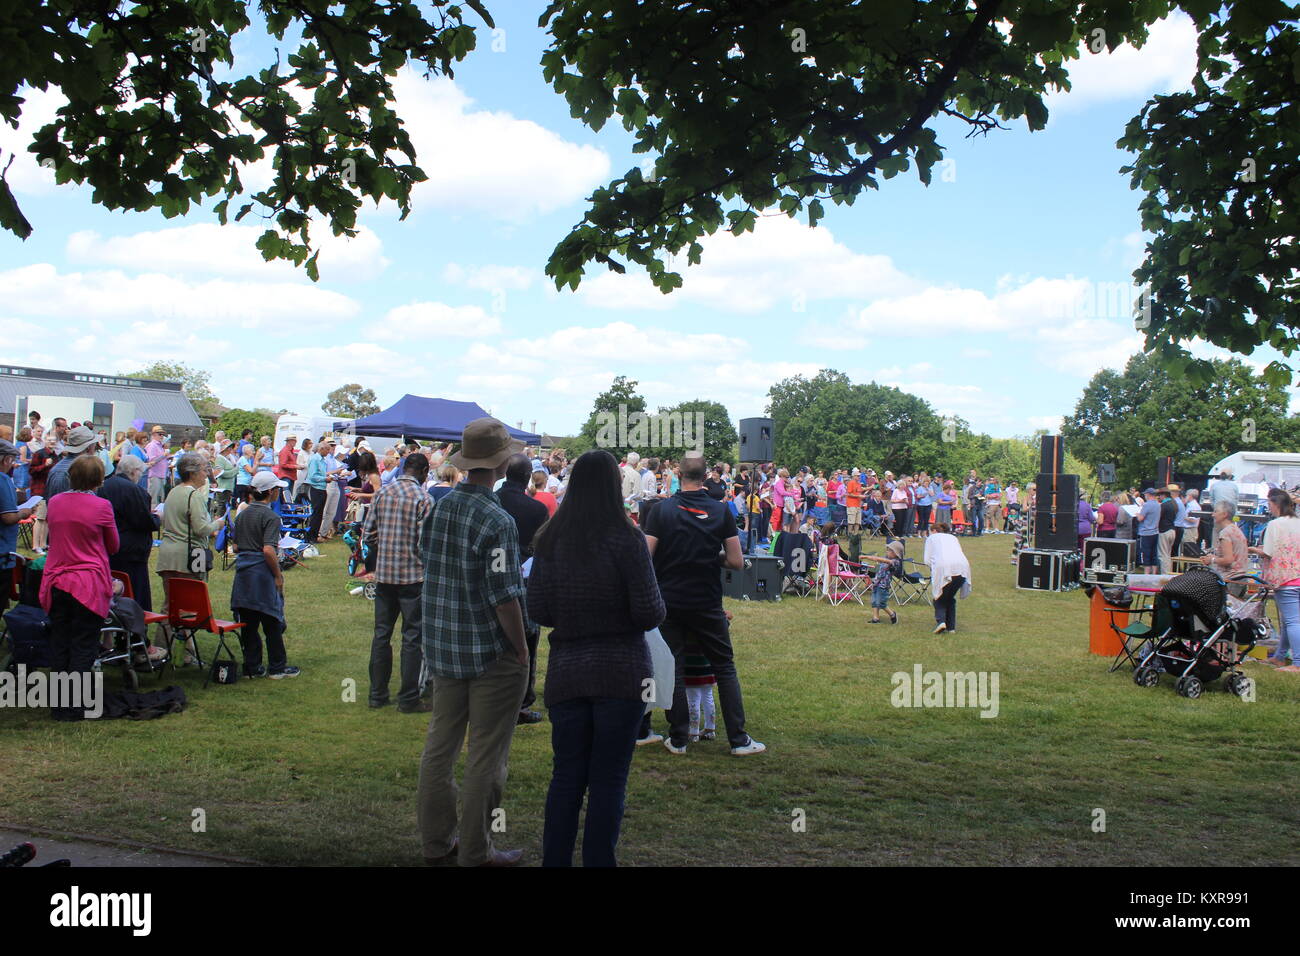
x=897, y=547
x=78, y=440
x=1148, y=491
x=265, y=480
x=485, y=443
x=1172, y=488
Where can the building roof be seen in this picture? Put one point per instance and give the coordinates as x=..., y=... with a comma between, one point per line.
x=161, y=402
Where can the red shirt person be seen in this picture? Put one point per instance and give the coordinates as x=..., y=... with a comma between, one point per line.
x=287, y=466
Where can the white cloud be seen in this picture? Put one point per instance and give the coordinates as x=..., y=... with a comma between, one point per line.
x=26, y=175
x=782, y=263
x=41, y=290
x=1166, y=63
x=434, y=319
x=210, y=248
x=488, y=163
x=489, y=278
x=627, y=343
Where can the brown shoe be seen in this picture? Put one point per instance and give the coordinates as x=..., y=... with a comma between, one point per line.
x=421, y=707
x=503, y=858
x=450, y=856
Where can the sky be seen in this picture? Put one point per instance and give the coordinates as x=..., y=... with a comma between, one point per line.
x=995, y=293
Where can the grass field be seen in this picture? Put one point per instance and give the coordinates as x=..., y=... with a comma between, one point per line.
x=288, y=772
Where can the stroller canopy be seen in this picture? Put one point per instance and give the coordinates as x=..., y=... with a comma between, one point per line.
x=1199, y=590
x=431, y=419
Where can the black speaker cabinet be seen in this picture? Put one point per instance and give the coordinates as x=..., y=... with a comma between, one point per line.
x=759, y=580
x=1056, y=492
x=1056, y=530
x=1040, y=570
x=756, y=436
x=1052, y=459
x=1164, y=472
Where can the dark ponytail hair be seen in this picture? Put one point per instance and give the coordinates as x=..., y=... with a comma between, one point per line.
x=591, y=511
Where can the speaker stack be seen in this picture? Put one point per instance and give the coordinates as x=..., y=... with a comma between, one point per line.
x=756, y=440
x=1052, y=564
x=761, y=579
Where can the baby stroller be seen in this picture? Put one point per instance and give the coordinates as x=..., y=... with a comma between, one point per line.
x=1203, y=638
x=360, y=560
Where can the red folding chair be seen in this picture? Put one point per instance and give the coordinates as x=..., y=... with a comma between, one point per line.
x=189, y=610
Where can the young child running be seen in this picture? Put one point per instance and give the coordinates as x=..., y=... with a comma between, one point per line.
x=890, y=567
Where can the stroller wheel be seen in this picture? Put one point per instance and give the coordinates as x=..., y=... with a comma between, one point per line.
x=371, y=589
x=1189, y=687
x=1146, y=676
x=1241, y=685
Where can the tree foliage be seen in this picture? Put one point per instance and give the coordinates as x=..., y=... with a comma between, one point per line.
x=193, y=382
x=620, y=398
x=1133, y=417
x=350, y=401
x=157, y=117
x=235, y=420
x=745, y=106
x=1218, y=167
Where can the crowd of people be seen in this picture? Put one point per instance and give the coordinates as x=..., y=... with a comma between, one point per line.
x=478, y=549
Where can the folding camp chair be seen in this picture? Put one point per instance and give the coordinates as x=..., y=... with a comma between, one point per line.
x=25, y=533
x=841, y=580
x=913, y=585
x=1135, y=634
x=189, y=609
x=796, y=551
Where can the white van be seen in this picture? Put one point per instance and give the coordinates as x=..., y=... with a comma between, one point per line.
x=1254, y=471
x=315, y=426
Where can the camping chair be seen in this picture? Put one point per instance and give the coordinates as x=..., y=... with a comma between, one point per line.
x=841, y=580
x=1134, y=635
x=796, y=550
x=959, y=523
x=913, y=585
x=873, y=525
x=189, y=609
x=25, y=533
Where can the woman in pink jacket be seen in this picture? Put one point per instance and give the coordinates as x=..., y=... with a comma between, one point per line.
x=76, y=587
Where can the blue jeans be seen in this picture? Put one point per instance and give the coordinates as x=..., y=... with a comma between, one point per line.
x=1288, y=615
x=592, y=739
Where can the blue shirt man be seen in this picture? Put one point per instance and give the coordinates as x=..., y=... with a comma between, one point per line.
x=1149, y=516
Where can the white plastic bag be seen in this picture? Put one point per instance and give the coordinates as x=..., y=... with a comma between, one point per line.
x=659, y=694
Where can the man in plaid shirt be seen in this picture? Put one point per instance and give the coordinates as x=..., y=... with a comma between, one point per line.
x=474, y=643
x=392, y=528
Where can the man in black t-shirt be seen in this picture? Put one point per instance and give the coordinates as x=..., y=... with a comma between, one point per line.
x=685, y=534
x=1166, y=528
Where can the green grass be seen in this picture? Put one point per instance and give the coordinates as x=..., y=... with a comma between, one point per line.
x=287, y=772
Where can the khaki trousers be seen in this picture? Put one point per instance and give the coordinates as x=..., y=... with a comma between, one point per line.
x=1166, y=550
x=488, y=707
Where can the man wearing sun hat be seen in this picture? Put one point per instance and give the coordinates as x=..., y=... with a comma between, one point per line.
x=80, y=441
x=473, y=630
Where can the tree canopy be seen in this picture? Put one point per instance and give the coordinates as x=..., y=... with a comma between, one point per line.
x=235, y=420
x=157, y=117
x=193, y=382
x=1133, y=417
x=350, y=401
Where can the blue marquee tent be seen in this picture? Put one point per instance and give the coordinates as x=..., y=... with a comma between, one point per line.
x=431, y=419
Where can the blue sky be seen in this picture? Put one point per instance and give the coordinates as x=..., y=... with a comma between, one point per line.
x=992, y=293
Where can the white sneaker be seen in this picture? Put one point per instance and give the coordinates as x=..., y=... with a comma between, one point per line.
x=651, y=738
x=940, y=628
x=668, y=742
x=753, y=747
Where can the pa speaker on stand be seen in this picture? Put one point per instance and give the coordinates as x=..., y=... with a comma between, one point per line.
x=756, y=439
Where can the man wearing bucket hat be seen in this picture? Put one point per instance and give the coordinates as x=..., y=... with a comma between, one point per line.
x=473, y=629
x=80, y=441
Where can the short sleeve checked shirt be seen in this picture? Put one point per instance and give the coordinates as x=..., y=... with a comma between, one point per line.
x=393, y=522
x=471, y=566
